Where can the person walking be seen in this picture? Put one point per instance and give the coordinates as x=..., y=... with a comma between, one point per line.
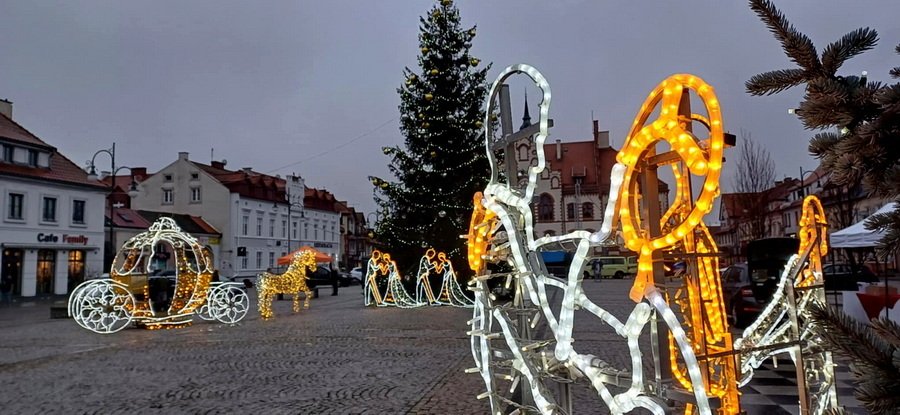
x=6, y=286
x=334, y=280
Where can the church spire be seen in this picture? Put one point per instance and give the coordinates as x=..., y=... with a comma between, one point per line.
x=526, y=119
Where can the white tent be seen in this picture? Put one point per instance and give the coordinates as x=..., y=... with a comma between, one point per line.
x=857, y=236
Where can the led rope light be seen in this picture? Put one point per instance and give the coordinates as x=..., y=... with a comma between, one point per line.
x=803, y=275
x=451, y=293
x=109, y=305
x=293, y=282
x=381, y=266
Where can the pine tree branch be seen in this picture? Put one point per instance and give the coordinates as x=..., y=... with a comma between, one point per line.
x=888, y=330
x=796, y=45
x=849, y=337
x=850, y=45
x=773, y=82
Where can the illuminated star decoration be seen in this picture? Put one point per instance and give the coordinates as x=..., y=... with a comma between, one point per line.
x=783, y=324
x=293, y=281
x=109, y=305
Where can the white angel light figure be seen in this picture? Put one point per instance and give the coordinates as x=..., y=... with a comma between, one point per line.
x=435, y=263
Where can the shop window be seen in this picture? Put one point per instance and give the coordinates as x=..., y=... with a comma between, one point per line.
x=76, y=268
x=46, y=270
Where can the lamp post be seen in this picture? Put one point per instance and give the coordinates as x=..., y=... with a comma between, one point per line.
x=292, y=203
x=803, y=172
x=132, y=192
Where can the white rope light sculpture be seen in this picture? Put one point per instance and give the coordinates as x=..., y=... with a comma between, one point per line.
x=784, y=327
x=437, y=263
x=109, y=305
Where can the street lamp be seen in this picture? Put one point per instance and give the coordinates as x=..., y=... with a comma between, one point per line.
x=292, y=203
x=132, y=190
x=803, y=172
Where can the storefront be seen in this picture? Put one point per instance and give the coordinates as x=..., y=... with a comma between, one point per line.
x=53, y=264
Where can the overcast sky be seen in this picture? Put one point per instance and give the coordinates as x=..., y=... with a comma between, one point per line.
x=310, y=86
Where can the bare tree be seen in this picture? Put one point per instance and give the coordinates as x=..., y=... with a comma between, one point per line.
x=755, y=177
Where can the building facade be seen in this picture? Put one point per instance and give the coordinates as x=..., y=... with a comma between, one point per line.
x=52, y=221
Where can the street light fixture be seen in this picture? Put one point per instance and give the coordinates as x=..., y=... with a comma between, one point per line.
x=132, y=188
x=803, y=173
x=291, y=204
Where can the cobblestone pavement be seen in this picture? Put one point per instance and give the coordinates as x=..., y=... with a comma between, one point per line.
x=337, y=357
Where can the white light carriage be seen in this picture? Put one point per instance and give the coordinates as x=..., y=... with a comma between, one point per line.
x=141, y=292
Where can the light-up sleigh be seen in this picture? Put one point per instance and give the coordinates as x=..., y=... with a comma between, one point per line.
x=140, y=293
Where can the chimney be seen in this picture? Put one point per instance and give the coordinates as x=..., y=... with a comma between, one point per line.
x=6, y=108
x=182, y=155
x=601, y=138
x=139, y=173
x=558, y=149
x=218, y=164
x=247, y=170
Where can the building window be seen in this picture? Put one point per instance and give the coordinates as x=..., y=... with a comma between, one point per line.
x=195, y=176
x=294, y=230
x=258, y=259
x=167, y=177
x=195, y=194
x=15, y=208
x=245, y=224
x=32, y=158
x=7, y=153
x=271, y=259
x=168, y=196
x=284, y=229
x=46, y=271
x=49, y=210
x=570, y=211
x=545, y=208
x=259, y=226
x=78, y=211
x=271, y=228
x=243, y=262
x=76, y=268
x=587, y=210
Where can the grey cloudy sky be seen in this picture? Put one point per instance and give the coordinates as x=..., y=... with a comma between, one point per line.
x=277, y=83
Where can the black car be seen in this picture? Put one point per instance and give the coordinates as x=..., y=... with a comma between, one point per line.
x=842, y=277
x=744, y=298
x=321, y=277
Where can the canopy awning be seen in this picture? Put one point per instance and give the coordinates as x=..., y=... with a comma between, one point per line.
x=320, y=256
x=857, y=236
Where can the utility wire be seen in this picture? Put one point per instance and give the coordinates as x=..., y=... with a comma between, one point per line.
x=355, y=139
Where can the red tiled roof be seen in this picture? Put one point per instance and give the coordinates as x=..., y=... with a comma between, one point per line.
x=61, y=168
x=248, y=184
x=127, y=218
x=319, y=199
x=204, y=225
x=583, y=158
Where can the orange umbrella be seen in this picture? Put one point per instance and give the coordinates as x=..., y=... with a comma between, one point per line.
x=320, y=256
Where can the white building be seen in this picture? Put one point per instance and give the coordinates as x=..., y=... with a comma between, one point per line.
x=51, y=220
x=322, y=225
x=250, y=209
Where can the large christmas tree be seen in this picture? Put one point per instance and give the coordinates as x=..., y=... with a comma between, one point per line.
x=444, y=161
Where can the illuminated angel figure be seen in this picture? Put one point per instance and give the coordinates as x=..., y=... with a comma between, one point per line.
x=396, y=294
x=376, y=270
x=428, y=265
x=382, y=268
x=781, y=324
x=536, y=361
x=450, y=293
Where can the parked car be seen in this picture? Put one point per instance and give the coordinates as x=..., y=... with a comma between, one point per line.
x=321, y=277
x=744, y=297
x=840, y=277
x=357, y=274
x=616, y=267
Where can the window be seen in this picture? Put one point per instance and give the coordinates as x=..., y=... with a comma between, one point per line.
x=245, y=224
x=271, y=259
x=259, y=226
x=258, y=259
x=46, y=271
x=16, y=202
x=294, y=229
x=305, y=231
x=168, y=196
x=167, y=177
x=7, y=153
x=78, y=211
x=32, y=158
x=545, y=208
x=243, y=262
x=271, y=228
x=195, y=194
x=195, y=176
x=49, y=210
x=587, y=210
x=570, y=211
x=284, y=229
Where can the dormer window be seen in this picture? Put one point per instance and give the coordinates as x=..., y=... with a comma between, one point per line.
x=32, y=158
x=7, y=153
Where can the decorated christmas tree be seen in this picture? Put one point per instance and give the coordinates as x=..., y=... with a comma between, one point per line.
x=443, y=161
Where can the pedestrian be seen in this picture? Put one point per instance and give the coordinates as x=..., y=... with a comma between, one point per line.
x=334, y=280
x=6, y=287
x=597, y=268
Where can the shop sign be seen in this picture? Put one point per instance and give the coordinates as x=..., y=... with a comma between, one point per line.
x=66, y=239
x=322, y=245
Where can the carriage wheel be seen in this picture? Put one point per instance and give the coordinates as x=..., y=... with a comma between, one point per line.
x=229, y=304
x=103, y=307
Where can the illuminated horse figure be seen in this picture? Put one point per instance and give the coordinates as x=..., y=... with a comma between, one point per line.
x=508, y=353
x=451, y=293
x=785, y=320
x=293, y=281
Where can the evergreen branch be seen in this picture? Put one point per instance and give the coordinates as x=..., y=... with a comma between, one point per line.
x=849, y=337
x=888, y=330
x=850, y=45
x=773, y=82
x=796, y=45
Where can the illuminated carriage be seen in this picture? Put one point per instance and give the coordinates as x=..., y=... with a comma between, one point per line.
x=139, y=292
